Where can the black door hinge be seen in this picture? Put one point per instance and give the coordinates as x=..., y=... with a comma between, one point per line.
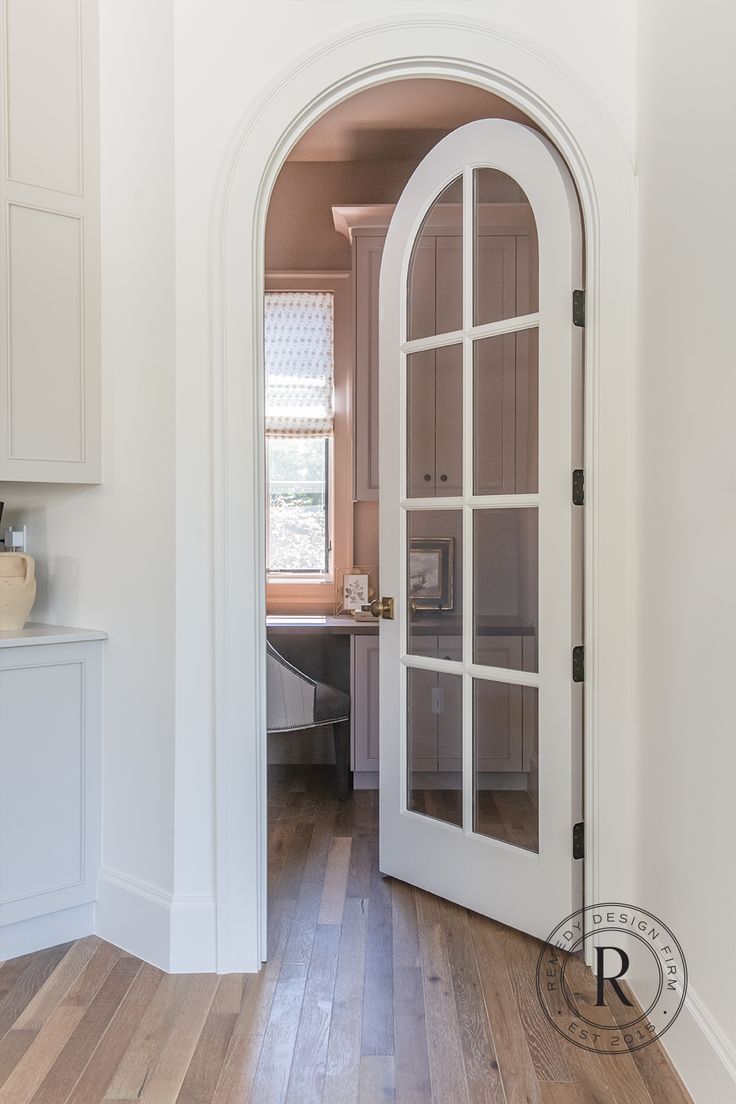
x=578, y=663
x=578, y=308
x=578, y=487
x=578, y=840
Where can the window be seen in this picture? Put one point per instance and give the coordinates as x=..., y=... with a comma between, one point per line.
x=298, y=524
x=299, y=356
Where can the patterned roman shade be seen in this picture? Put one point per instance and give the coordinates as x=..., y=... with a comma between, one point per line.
x=299, y=363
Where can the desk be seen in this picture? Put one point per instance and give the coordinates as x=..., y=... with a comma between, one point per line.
x=294, y=624
x=344, y=653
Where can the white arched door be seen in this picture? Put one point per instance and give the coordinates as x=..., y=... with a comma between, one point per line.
x=481, y=545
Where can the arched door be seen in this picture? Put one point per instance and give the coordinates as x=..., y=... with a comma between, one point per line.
x=481, y=545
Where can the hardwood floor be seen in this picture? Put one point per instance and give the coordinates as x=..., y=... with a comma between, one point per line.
x=373, y=993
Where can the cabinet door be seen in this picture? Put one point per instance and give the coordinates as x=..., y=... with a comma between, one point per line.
x=368, y=251
x=448, y=436
x=494, y=374
x=50, y=243
x=365, y=703
x=50, y=783
x=423, y=703
x=420, y=391
x=449, y=718
x=500, y=727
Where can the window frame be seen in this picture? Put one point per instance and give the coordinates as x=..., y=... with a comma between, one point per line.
x=315, y=593
x=307, y=574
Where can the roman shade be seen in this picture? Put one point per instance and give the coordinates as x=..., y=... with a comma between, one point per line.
x=298, y=344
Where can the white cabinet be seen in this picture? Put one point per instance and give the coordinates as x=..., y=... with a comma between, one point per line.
x=50, y=785
x=50, y=426
x=365, y=702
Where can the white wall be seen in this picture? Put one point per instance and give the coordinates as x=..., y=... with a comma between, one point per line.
x=687, y=507
x=134, y=555
x=106, y=555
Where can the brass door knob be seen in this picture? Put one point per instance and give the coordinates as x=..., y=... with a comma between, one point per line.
x=382, y=607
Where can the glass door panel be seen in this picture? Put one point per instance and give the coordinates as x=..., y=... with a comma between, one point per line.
x=505, y=278
x=505, y=587
x=505, y=763
x=506, y=414
x=434, y=581
x=434, y=412
x=435, y=745
x=435, y=286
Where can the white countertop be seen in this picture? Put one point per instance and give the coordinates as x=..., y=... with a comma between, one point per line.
x=35, y=633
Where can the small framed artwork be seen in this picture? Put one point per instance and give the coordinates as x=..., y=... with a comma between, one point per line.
x=431, y=573
x=355, y=587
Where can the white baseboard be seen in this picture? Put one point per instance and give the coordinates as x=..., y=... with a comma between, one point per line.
x=702, y=1053
x=177, y=934
x=40, y=932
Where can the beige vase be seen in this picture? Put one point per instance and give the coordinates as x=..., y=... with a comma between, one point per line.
x=17, y=589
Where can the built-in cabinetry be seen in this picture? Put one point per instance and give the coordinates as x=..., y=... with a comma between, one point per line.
x=365, y=702
x=505, y=368
x=50, y=785
x=50, y=420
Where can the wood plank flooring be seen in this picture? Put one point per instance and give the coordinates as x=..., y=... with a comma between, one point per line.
x=373, y=993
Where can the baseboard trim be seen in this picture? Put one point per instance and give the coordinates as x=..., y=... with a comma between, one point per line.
x=174, y=933
x=39, y=932
x=702, y=1053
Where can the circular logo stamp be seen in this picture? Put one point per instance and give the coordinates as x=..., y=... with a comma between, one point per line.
x=594, y=1007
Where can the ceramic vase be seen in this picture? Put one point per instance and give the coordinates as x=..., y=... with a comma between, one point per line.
x=17, y=589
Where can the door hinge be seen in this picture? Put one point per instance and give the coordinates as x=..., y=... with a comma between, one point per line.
x=578, y=487
x=578, y=840
x=578, y=308
x=578, y=663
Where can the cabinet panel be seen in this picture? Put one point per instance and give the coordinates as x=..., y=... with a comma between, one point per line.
x=43, y=92
x=499, y=716
x=448, y=422
x=50, y=371
x=420, y=412
x=50, y=778
x=366, y=703
x=46, y=363
x=368, y=252
x=450, y=723
x=422, y=734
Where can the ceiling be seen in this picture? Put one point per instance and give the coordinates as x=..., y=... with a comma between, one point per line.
x=397, y=121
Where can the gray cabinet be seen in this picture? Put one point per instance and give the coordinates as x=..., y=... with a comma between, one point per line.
x=504, y=372
x=365, y=703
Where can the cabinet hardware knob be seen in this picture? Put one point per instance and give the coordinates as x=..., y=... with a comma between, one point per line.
x=443, y=478
x=427, y=477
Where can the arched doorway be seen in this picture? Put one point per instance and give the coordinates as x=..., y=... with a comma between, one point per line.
x=356, y=60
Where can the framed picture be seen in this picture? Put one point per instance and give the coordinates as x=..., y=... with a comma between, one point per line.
x=431, y=573
x=354, y=587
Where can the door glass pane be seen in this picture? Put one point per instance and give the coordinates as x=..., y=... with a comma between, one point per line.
x=506, y=414
x=435, y=284
x=434, y=414
x=506, y=763
x=505, y=254
x=505, y=588
x=434, y=582
x=435, y=745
